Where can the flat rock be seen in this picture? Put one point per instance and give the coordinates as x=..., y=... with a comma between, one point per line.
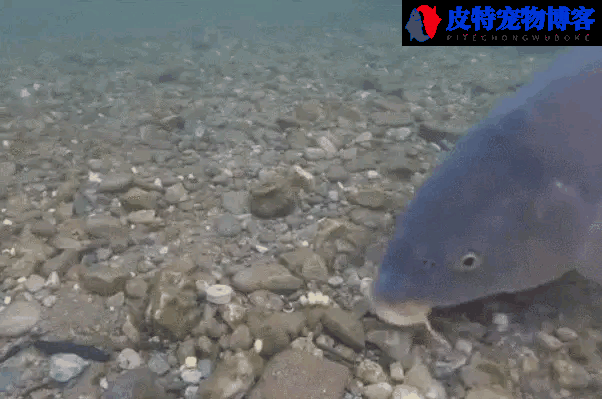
x=18, y=318
x=294, y=374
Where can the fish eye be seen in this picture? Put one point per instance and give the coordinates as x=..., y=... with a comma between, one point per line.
x=468, y=262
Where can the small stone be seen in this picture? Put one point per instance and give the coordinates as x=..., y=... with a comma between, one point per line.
x=143, y=216
x=314, y=154
x=158, y=363
x=136, y=199
x=335, y=281
x=399, y=134
x=228, y=226
x=190, y=362
x=381, y=390
x=49, y=301
x=43, y=228
x=547, y=341
x=303, y=179
x=65, y=366
x=191, y=376
x=566, y=334
x=404, y=391
x=114, y=183
x=137, y=383
x=236, y=202
x=18, y=318
x=501, y=321
x=529, y=363
x=116, y=301
x=129, y=359
x=336, y=173
x=136, y=288
x=396, y=370
x=176, y=193
x=570, y=375
x=34, y=283
x=464, y=346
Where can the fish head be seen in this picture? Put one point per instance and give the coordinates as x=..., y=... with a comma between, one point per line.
x=415, y=16
x=511, y=208
x=489, y=221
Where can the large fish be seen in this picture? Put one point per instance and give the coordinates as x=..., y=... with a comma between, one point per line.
x=511, y=208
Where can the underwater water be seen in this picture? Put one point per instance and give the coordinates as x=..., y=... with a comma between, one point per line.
x=194, y=190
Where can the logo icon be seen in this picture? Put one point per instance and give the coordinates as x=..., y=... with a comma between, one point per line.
x=429, y=21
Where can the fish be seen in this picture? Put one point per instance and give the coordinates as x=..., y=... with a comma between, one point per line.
x=87, y=352
x=414, y=26
x=512, y=206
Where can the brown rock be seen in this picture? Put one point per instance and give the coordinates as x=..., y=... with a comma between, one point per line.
x=296, y=374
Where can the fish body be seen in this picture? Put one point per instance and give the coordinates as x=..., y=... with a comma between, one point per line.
x=414, y=26
x=511, y=207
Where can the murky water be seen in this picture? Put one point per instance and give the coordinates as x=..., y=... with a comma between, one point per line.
x=191, y=188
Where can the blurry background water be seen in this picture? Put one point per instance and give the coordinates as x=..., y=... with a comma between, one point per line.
x=41, y=18
x=27, y=27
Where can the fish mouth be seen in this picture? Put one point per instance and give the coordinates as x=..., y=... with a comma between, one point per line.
x=398, y=312
x=403, y=313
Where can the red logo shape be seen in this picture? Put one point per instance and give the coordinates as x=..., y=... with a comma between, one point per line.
x=430, y=19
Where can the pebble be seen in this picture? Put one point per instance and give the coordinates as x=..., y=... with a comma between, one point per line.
x=570, y=374
x=129, y=359
x=18, y=318
x=548, y=341
x=139, y=383
x=158, y=363
x=65, y=366
x=228, y=226
x=566, y=334
x=34, y=283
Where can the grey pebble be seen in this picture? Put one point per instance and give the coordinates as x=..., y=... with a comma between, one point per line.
x=65, y=366
x=236, y=202
x=18, y=318
x=228, y=226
